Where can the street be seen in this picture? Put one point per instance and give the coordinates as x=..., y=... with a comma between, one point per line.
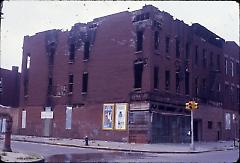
x=54, y=153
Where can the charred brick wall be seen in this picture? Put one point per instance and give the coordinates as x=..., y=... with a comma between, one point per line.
x=107, y=50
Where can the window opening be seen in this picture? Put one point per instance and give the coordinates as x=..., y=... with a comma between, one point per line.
x=138, y=69
x=139, y=41
x=196, y=55
x=72, y=52
x=70, y=83
x=187, y=50
x=177, y=48
x=156, y=40
x=204, y=58
x=167, y=80
x=86, y=51
x=156, y=77
x=177, y=82
x=186, y=82
x=167, y=44
x=85, y=82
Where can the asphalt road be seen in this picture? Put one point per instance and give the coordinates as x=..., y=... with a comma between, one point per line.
x=56, y=153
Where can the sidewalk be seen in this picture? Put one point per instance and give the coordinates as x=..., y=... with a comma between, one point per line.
x=130, y=147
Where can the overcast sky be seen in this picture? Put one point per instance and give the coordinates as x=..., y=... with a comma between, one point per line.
x=29, y=17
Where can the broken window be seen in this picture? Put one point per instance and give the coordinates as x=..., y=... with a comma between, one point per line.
x=218, y=62
x=204, y=84
x=72, y=53
x=226, y=66
x=238, y=96
x=177, y=82
x=156, y=78
x=138, y=69
x=196, y=55
x=232, y=69
x=211, y=59
x=86, y=50
x=177, y=48
x=156, y=40
x=70, y=83
x=186, y=82
x=167, y=80
x=139, y=41
x=25, y=87
x=50, y=85
x=187, y=50
x=26, y=82
x=141, y=17
x=28, y=61
x=204, y=59
x=209, y=124
x=237, y=68
x=167, y=44
x=85, y=82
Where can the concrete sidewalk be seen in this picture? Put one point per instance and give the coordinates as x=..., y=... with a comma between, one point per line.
x=130, y=147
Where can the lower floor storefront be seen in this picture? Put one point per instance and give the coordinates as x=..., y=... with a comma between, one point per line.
x=133, y=122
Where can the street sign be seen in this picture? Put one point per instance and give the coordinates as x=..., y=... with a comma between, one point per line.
x=47, y=115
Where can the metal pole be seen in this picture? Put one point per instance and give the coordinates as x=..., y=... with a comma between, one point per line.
x=192, y=140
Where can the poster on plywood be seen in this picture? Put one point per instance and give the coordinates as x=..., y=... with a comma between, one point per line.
x=121, y=116
x=107, y=122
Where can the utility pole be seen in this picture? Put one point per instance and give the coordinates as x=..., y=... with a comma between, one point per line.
x=192, y=147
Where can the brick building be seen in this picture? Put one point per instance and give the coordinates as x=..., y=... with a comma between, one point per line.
x=127, y=77
x=9, y=87
x=9, y=96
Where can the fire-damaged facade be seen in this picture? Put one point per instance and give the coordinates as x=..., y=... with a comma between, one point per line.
x=127, y=77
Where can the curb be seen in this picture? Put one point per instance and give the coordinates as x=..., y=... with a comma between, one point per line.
x=124, y=150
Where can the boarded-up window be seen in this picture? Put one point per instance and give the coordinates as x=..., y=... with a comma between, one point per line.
x=227, y=121
x=69, y=117
x=24, y=115
x=3, y=128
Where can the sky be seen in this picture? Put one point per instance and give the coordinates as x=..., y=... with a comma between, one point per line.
x=23, y=18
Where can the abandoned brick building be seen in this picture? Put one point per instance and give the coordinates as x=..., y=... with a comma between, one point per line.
x=127, y=77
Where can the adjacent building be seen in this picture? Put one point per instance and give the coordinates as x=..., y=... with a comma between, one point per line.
x=9, y=87
x=127, y=77
x=9, y=96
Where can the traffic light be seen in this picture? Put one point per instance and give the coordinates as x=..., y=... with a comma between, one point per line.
x=191, y=105
x=187, y=105
x=195, y=105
